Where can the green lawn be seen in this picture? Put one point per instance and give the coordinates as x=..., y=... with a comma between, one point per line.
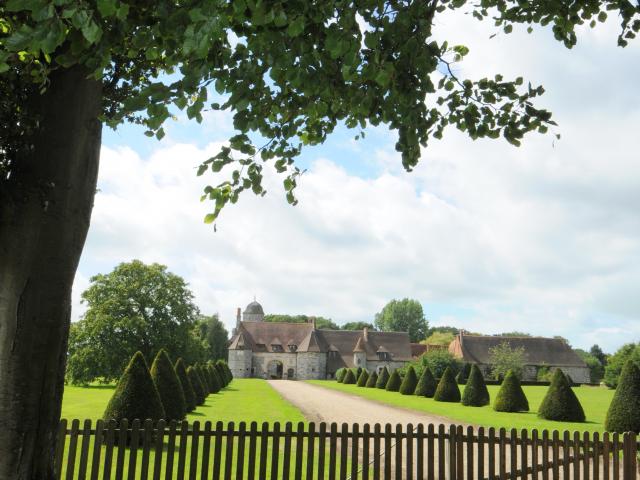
x=594, y=400
x=245, y=399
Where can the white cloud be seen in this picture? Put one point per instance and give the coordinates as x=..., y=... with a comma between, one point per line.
x=545, y=238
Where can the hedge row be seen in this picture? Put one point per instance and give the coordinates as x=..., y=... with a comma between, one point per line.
x=165, y=391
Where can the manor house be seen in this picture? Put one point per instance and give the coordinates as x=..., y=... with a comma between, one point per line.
x=301, y=351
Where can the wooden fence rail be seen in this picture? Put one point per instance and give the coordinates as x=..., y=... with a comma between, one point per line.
x=164, y=451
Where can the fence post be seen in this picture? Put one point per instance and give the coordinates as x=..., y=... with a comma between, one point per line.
x=195, y=440
x=62, y=438
x=157, y=459
x=310, y=451
x=452, y=453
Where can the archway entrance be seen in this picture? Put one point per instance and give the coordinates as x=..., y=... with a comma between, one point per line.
x=274, y=369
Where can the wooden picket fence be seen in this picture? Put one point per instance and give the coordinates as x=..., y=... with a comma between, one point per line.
x=317, y=451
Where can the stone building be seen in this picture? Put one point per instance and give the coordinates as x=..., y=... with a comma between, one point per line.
x=302, y=351
x=539, y=352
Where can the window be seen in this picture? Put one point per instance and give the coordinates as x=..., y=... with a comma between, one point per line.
x=277, y=348
x=293, y=348
x=384, y=356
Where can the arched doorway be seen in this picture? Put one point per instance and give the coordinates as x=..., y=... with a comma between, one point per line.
x=274, y=369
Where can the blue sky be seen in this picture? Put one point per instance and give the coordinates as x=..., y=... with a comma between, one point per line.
x=544, y=238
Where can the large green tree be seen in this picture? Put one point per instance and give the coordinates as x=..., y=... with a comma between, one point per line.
x=136, y=307
x=404, y=315
x=289, y=73
x=630, y=351
x=212, y=331
x=321, y=322
x=504, y=358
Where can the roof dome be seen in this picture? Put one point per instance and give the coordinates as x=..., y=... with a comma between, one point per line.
x=254, y=308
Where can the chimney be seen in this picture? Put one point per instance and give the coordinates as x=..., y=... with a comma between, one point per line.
x=312, y=321
x=238, y=315
x=365, y=333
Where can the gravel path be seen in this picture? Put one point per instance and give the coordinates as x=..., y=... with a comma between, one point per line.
x=324, y=405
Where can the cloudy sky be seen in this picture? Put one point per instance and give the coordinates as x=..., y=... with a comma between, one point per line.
x=544, y=238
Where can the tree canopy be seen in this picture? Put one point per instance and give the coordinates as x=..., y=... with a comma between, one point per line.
x=212, y=331
x=321, y=322
x=136, y=307
x=630, y=351
x=404, y=315
x=504, y=358
x=357, y=326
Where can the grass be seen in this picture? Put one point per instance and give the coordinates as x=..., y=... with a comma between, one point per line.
x=244, y=400
x=594, y=400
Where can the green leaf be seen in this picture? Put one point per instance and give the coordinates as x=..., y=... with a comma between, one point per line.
x=91, y=31
x=210, y=218
x=107, y=8
x=296, y=27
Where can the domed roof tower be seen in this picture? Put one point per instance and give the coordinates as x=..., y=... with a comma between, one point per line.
x=253, y=312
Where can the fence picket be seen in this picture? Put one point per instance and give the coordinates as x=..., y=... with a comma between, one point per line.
x=408, y=467
x=556, y=454
x=182, y=449
x=171, y=449
x=159, y=439
x=242, y=428
x=616, y=456
x=481, y=441
x=264, y=441
x=355, y=451
x=193, y=460
x=147, y=432
x=134, y=443
x=577, y=451
x=333, y=438
x=299, y=449
x=275, y=451
x=286, y=456
x=122, y=445
x=545, y=455
x=97, y=450
x=387, y=451
x=491, y=445
x=376, y=451
x=513, y=453
x=566, y=462
x=322, y=443
x=596, y=455
x=310, y=451
x=398, y=457
x=431, y=432
x=606, y=451
x=503, y=453
x=108, y=452
x=73, y=445
x=524, y=453
x=206, y=451
x=534, y=455
x=251, y=462
x=586, y=452
x=452, y=453
x=228, y=458
x=366, y=439
x=84, y=450
x=344, y=450
x=442, y=460
x=469, y=459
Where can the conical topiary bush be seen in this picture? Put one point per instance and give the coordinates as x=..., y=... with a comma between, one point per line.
x=185, y=383
x=409, y=383
x=373, y=379
x=447, y=389
x=340, y=373
x=560, y=403
x=475, y=392
x=204, y=378
x=427, y=384
x=393, y=385
x=363, y=378
x=383, y=378
x=624, y=411
x=196, y=383
x=169, y=387
x=349, y=378
x=511, y=397
x=216, y=383
x=357, y=373
x=463, y=374
x=136, y=396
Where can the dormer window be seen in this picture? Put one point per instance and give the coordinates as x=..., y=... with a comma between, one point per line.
x=293, y=348
x=276, y=348
x=384, y=356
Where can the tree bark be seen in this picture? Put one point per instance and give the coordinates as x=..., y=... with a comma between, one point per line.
x=45, y=209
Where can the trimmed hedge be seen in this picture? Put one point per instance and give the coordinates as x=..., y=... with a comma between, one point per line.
x=340, y=374
x=427, y=384
x=409, y=382
x=511, y=397
x=204, y=377
x=357, y=373
x=624, y=412
x=169, y=388
x=475, y=393
x=196, y=383
x=560, y=403
x=136, y=396
x=224, y=372
x=393, y=385
x=447, y=390
x=185, y=383
x=349, y=378
x=373, y=379
x=363, y=378
x=216, y=381
x=383, y=378
x=463, y=374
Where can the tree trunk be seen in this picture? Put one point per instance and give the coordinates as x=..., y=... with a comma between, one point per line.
x=45, y=208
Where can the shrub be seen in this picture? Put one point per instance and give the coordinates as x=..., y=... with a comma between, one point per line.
x=511, y=397
x=615, y=362
x=427, y=384
x=349, y=378
x=216, y=382
x=393, y=385
x=169, y=387
x=463, y=374
x=340, y=373
x=196, y=383
x=363, y=378
x=136, y=396
x=409, y=382
x=624, y=412
x=475, y=392
x=383, y=378
x=187, y=388
x=204, y=378
x=560, y=403
x=447, y=390
x=222, y=373
x=373, y=379
x=438, y=361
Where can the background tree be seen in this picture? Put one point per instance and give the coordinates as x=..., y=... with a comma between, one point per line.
x=630, y=351
x=67, y=67
x=321, y=322
x=212, y=331
x=515, y=333
x=169, y=387
x=136, y=307
x=357, y=326
x=597, y=352
x=438, y=361
x=404, y=315
x=439, y=338
x=504, y=358
x=596, y=369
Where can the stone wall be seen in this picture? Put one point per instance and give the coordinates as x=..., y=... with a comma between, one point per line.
x=374, y=366
x=240, y=363
x=261, y=362
x=312, y=366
